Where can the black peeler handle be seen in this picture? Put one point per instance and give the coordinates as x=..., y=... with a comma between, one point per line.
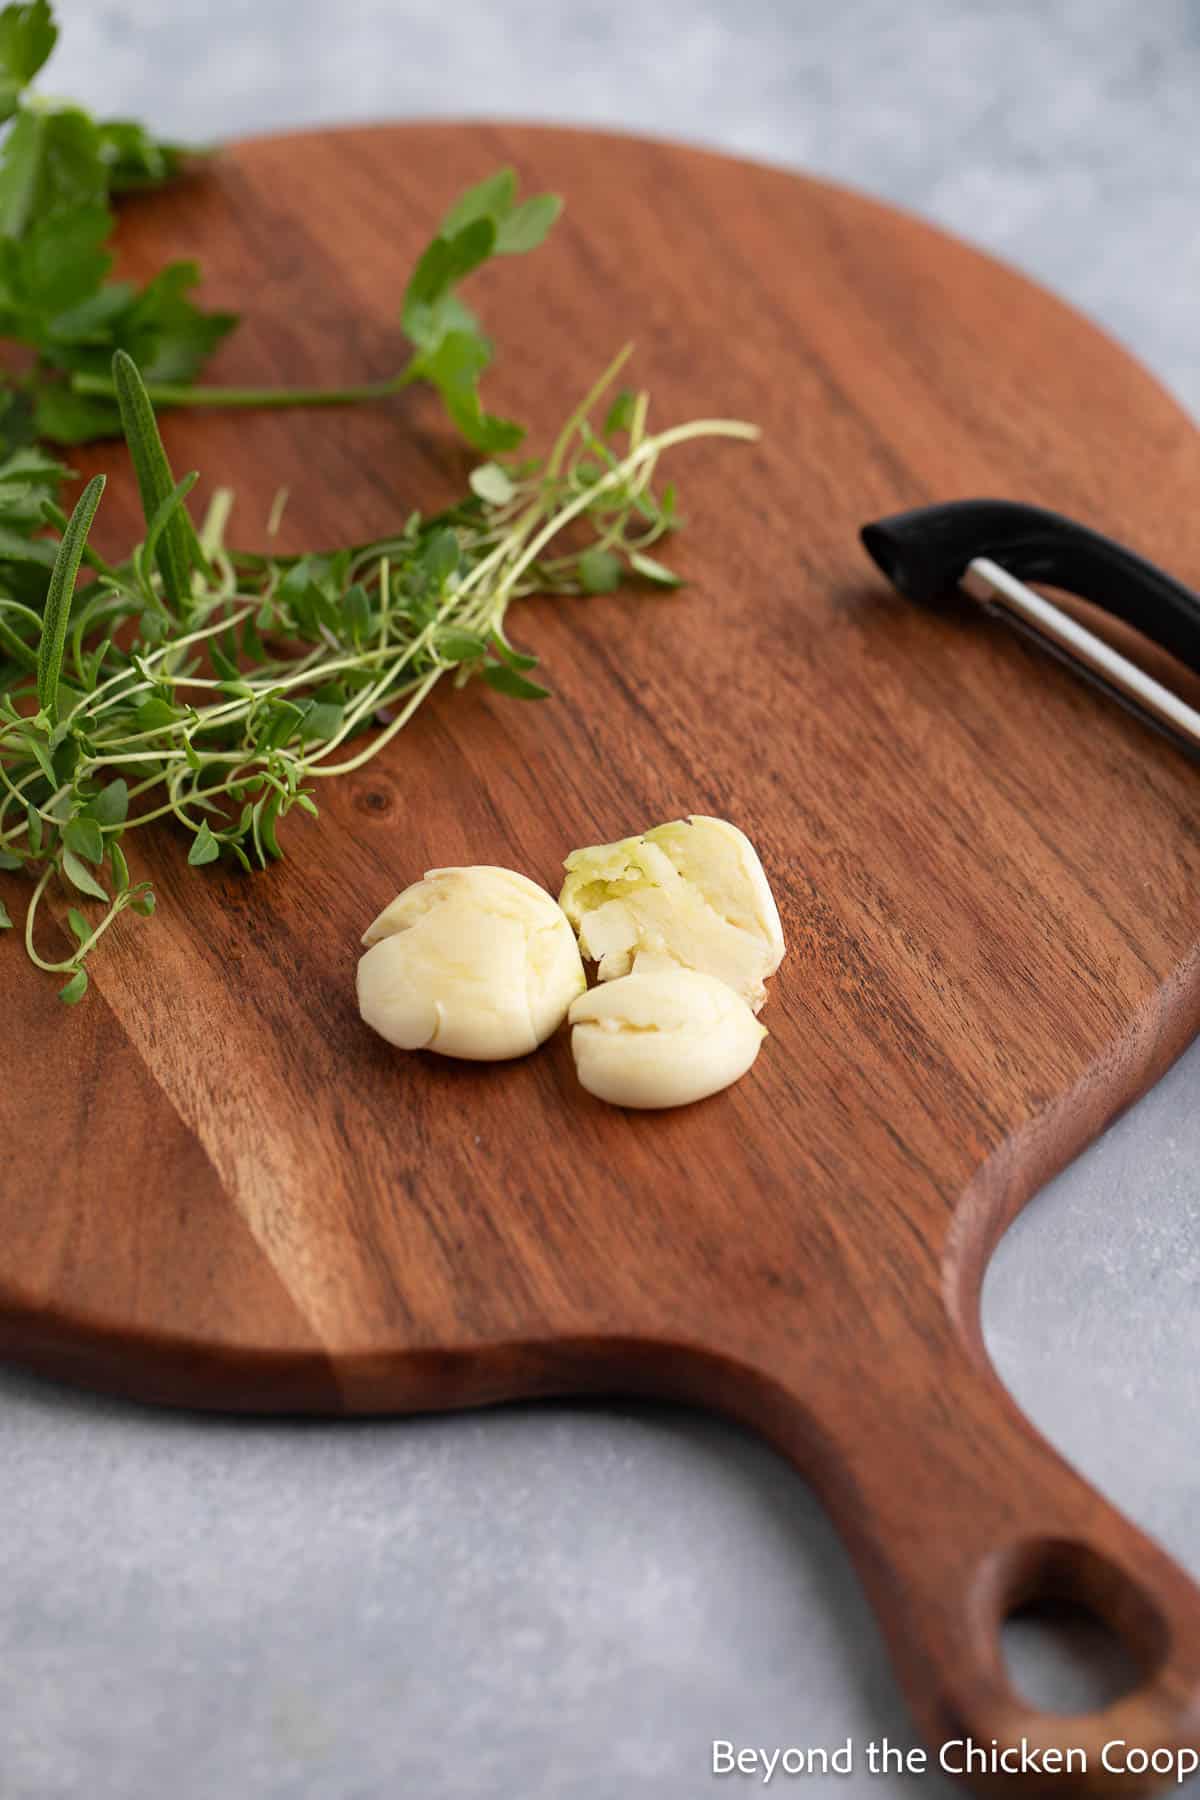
x=925, y=552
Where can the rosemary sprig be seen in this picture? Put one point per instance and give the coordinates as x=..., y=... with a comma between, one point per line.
x=218, y=690
x=59, y=595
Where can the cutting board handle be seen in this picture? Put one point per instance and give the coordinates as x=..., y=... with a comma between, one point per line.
x=958, y=1513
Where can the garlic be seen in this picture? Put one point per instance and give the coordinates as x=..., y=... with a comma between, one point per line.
x=662, y=1039
x=478, y=963
x=690, y=894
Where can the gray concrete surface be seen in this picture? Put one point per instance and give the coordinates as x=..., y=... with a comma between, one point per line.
x=570, y=1603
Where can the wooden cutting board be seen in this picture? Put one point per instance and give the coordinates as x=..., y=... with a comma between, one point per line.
x=235, y=1196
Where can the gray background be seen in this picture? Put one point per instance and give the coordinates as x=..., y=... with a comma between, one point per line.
x=574, y=1602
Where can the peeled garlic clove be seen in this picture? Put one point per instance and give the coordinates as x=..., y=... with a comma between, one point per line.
x=662, y=1039
x=478, y=963
x=690, y=894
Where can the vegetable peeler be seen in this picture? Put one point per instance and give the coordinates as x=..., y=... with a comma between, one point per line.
x=990, y=550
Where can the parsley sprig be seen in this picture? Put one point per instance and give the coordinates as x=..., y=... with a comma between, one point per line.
x=216, y=689
x=449, y=348
x=59, y=168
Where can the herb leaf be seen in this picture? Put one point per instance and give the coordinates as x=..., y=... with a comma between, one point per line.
x=135, y=158
x=75, y=989
x=84, y=837
x=652, y=570
x=443, y=265
x=620, y=413
x=454, y=367
x=58, y=264
x=165, y=332
x=69, y=418
x=171, y=547
x=120, y=868
x=27, y=36
x=461, y=647
x=491, y=483
x=507, y=681
x=77, y=874
x=527, y=225
x=599, y=572
x=111, y=805
x=452, y=350
x=491, y=198
x=205, y=848
x=49, y=167
x=59, y=594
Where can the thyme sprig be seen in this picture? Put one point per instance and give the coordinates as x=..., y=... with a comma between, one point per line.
x=217, y=689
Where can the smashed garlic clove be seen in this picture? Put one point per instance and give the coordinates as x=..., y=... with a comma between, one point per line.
x=477, y=963
x=689, y=894
x=662, y=1039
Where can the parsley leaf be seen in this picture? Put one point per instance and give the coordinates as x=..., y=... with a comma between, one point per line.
x=454, y=368
x=526, y=226
x=444, y=263
x=165, y=332
x=56, y=265
x=27, y=36
x=50, y=163
x=28, y=478
x=135, y=158
x=452, y=351
x=68, y=418
x=491, y=199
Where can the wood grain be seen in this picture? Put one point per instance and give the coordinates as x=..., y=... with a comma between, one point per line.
x=987, y=873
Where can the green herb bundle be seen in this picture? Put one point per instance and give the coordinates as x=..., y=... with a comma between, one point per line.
x=219, y=690
x=59, y=168
x=193, y=684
